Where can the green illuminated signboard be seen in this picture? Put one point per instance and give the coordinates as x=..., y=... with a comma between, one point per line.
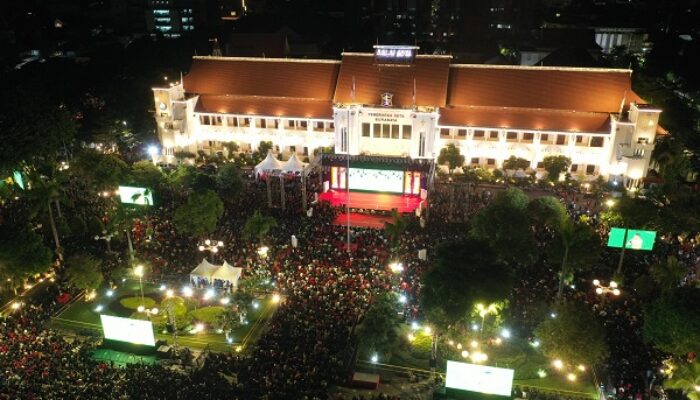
x=634, y=240
x=135, y=195
x=18, y=178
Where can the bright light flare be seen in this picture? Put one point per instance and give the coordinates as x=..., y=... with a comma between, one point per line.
x=465, y=353
x=571, y=377
x=374, y=358
x=187, y=291
x=276, y=298
x=558, y=364
x=505, y=333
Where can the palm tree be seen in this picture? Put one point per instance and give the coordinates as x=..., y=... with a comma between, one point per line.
x=571, y=234
x=668, y=274
x=687, y=379
x=396, y=227
x=43, y=194
x=258, y=226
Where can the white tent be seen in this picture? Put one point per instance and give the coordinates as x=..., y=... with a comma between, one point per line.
x=228, y=273
x=270, y=163
x=293, y=164
x=204, y=270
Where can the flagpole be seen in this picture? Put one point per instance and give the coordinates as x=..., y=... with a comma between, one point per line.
x=347, y=170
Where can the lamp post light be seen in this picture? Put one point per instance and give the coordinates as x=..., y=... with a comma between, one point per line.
x=603, y=290
x=107, y=238
x=138, y=271
x=211, y=245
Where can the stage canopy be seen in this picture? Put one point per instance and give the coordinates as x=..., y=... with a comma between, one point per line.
x=228, y=273
x=270, y=163
x=204, y=270
x=293, y=164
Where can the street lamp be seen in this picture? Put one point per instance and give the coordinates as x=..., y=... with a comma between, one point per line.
x=396, y=267
x=483, y=312
x=138, y=271
x=211, y=245
x=107, y=238
x=603, y=290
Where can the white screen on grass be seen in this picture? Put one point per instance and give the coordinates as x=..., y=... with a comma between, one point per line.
x=479, y=378
x=376, y=180
x=128, y=330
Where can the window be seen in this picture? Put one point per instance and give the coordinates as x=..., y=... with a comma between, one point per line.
x=204, y=120
x=561, y=139
x=574, y=167
x=544, y=137
x=490, y=161
x=217, y=120
x=445, y=132
x=493, y=135
x=639, y=152
x=304, y=124
x=540, y=165
x=511, y=135
x=263, y=123
x=421, y=145
x=597, y=141
x=331, y=126
x=377, y=130
x=407, y=131
x=590, y=169
x=292, y=149
x=579, y=138
x=528, y=137
x=479, y=134
x=462, y=133
x=232, y=121
x=395, y=132
x=386, y=131
x=318, y=126
x=475, y=160
x=365, y=130
x=246, y=122
x=277, y=123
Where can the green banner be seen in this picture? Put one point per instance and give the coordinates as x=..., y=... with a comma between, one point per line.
x=634, y=240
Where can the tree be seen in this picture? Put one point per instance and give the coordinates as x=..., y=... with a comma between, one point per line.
x=464, y=273
x=577, y=247
x=378, y=329
x=83, y=272
x=547, y=211
x=516, y=163
x=258, y=225
x=555, y=165
x=229, y=181
x=43, y=194
x=685, y=378
x=200, y=214
x=505, y=224
x=450, y=155
x=186, y=179
x=22, y=253
x=396, y=227
x=145, y=174
x=574, y=336
x=668, y=274
x=264, y=147
x=672, y=322
x=104, y=171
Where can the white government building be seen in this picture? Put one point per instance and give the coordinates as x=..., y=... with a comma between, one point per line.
x=394, y=102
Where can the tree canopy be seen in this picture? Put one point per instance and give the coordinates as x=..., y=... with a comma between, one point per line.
x=516, y=163
x=22, y=253
x=464, y=273
x=547, y=211
x=229, y=181
x=258, y=225
x=451, y=157
x=575, y=335
x=104, y=171
x=200, y=214
x=83, y=271
x=145, y=174
x=505, y=224
x=378, y=330
x=672, y=322
x=555, y=165
x=686, y=378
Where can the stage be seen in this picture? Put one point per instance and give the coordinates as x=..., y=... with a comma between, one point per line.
x=372, y=201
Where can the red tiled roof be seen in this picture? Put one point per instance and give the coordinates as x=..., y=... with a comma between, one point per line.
x=518, y=118
x=371, y=80
x=310, y=79
x=595, y=90
x=266, y=106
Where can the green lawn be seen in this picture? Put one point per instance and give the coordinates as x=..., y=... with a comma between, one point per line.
x=516, y=354
x=84, y=316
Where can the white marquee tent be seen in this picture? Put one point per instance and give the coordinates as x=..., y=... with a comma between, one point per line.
x=204, y=270
x=228, y=273
x=270, y=163
x=293, y=165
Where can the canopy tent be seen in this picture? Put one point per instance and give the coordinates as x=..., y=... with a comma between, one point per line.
x=204, y=270
x=293, y=165
x=228, y=273
x=270, y=163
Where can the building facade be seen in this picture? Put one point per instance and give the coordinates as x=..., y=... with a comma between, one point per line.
x=395, y=103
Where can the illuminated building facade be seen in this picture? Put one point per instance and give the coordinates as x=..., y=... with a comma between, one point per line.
x=399, y=104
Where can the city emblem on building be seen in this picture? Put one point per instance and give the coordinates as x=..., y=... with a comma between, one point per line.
x=387, y=99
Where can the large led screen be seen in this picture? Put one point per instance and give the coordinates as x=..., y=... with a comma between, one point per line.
x=376, y=180
x=128, y=330
x=135, y=195
x=634, y=239
x=479, y=378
